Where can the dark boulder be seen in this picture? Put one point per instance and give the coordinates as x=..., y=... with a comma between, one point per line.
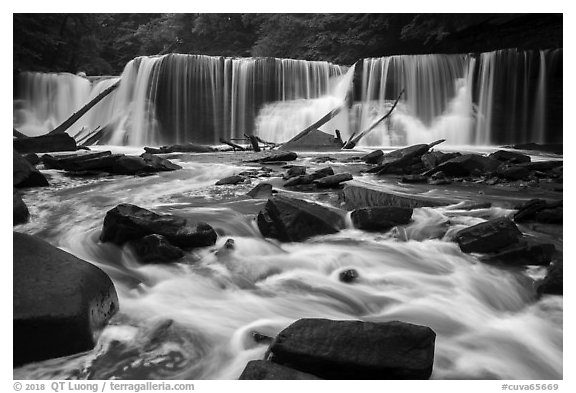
x=24, y=174
x=129, y=165
x=510, y=156
x=489, y=236
x=294, y=171
x=261, y=191
x=348, y=276
x=553, y=283
x=32, y=158
x=129, y=222
x=374, y=157
x=512, y=172
x=155, y=249
x=69, y=162
x=262, y=369
x=309, y=179
x=290, y=219
x=542, y=165
x=466, y=165
x=550, y=216
x=380, y=218
x=186, y=148
x=332, y=181
x=45, y=143
x=539, y=210
x=435, y=158
x=355, y=349
x=522, y=254
x=411, y=179
x=60, y=302
x=235, y=179
x=158, y=163
x=20, y=213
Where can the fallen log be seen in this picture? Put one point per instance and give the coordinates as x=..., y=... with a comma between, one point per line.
x=325, y=119
x=254, y=141
x=77, y=115
x=353, y=141
x=232, y=144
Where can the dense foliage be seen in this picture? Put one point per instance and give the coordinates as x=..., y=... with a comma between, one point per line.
x=104, y=43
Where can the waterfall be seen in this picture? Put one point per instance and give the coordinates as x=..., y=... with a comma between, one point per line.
x=505, y=96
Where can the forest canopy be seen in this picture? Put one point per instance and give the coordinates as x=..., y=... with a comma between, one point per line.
x=102, y=44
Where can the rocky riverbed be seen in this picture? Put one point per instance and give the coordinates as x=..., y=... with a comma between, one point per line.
x=236, y=264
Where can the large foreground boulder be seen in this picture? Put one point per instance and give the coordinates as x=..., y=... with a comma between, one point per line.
x=45, y=143
x=292, y=220
x=25, y=174
x=129, y=222
x=489, y=236
x=380, y=218
x=356, y=350
x=262, y=369
x=61, y=302
x=20, y=213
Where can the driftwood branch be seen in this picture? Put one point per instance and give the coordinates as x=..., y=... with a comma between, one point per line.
x=353, y=141
x=76, y=116
x=325, y=119
x=232, y=144
x=254, y=141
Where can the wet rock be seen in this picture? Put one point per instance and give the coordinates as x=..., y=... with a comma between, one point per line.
x=290, y=219
x=466, y=165
x=435, y=158
x=261, y=191
x=512, y=172
x=61, y=302
x=155, y=249
x=333, y=180
x=45, y=143
x=374, y=157
x=410, y=179
x=539, y=209
x=523, y=254
x=20, y=213
x=262, y=338
x=295, y=171
x=355, y=349
x=159, y=164
x=348, y=276
x=380, y=218
x=358, y=196
x=510, y=156
x=489, y=236
x=129, y=165
x=322, y=159
x=32, y=158
x=24, y=174
x=552, y=284
x=262, y=370
x=129, y=222
x=233, y=180
x=309, y=179
x=274, y=156
x=542, y=165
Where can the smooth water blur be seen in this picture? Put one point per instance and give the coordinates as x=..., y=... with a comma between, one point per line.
x=195, y=318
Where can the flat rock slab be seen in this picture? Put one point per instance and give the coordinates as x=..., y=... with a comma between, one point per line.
x=60, y=302
x=272, y=156
x=262, y=369
x=355, y=350
x=292, y=220
x=45, y=143
x=490, y=236
x=357, y=195
x=380, y=218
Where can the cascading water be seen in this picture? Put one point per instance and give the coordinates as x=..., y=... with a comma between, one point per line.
x=505, y=96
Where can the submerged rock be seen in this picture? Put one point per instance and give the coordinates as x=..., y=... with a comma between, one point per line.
x=24, y=174
x=332, y=181
x=233, y=180
x=262, y=369
x=489, y=236
x=155, y=249
x=553, y=283
x=45, y=143
x=348, y=275
x=20, y=213
x=410, y=179
x=129, y=222
x=290, y=219
x=60, y=302
x=355, y=349
x=380, y=218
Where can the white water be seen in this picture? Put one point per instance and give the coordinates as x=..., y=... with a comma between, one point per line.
x=488, y=321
